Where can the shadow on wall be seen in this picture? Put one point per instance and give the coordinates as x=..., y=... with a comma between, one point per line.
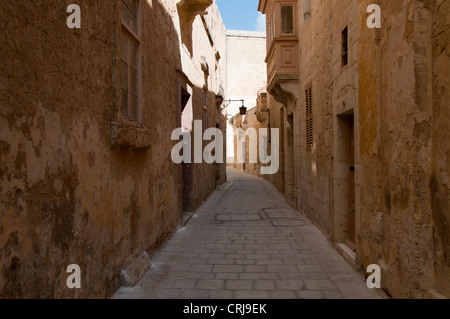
x=186, y=20
x=66, y=196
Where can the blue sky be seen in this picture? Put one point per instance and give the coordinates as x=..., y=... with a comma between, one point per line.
x=241, y=15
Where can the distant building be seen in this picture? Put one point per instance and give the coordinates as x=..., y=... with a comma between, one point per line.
x=246, y=75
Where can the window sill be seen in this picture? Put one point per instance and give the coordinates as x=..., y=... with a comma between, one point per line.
x=128, y=136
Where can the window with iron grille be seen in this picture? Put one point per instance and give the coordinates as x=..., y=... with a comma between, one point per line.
x=130, y=108
x=309, y=118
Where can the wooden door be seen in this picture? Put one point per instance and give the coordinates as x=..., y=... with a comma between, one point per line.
x=351, y=182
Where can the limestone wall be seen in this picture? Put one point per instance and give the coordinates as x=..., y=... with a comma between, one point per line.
x=211, y=49
x=74, y=187
x=387, y=86
x=404, y=219
x=246, y=73
x=314, y=167
x=393, y=91
x=440, y=136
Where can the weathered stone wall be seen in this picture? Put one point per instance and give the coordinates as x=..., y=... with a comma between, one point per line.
x=395, y=90
x=276, y=122
x=440, y=135
x=409, y=217
x=246, y=73
x=67, y=196
x=207, y=177
x=387, y=86
x=314, y=167
x=368, y=178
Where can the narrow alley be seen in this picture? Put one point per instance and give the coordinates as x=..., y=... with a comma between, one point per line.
x=245, y=242
x=225, y=149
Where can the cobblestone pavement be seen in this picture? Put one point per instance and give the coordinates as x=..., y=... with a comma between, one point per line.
x=246, y=243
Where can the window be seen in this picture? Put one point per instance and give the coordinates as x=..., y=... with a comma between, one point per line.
x=345, y=47
x=309, y=118
x=273, y=27
x=270, y=30
x=130, y=62
x=287, y=20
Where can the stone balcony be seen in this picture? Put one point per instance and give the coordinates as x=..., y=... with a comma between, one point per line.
x=192, y=8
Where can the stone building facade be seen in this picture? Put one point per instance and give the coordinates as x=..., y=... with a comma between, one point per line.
x=260, y=117
x=86, y=117
x=246, y=75
x=364, y=118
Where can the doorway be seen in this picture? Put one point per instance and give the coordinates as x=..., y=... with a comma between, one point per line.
x=186, y=118
x=344, y=181
x=217, y=166
x=282, y=149
x=289, y=173
x=351, y=184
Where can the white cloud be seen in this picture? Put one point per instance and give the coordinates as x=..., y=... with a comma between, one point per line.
x=260, y=22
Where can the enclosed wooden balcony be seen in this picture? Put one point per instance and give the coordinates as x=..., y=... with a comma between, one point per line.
x=282, y=44
x=282, y=62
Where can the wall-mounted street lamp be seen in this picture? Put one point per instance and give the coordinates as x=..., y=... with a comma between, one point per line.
x=242, y=109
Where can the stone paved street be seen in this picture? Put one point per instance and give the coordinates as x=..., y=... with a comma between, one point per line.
x=245, y=242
